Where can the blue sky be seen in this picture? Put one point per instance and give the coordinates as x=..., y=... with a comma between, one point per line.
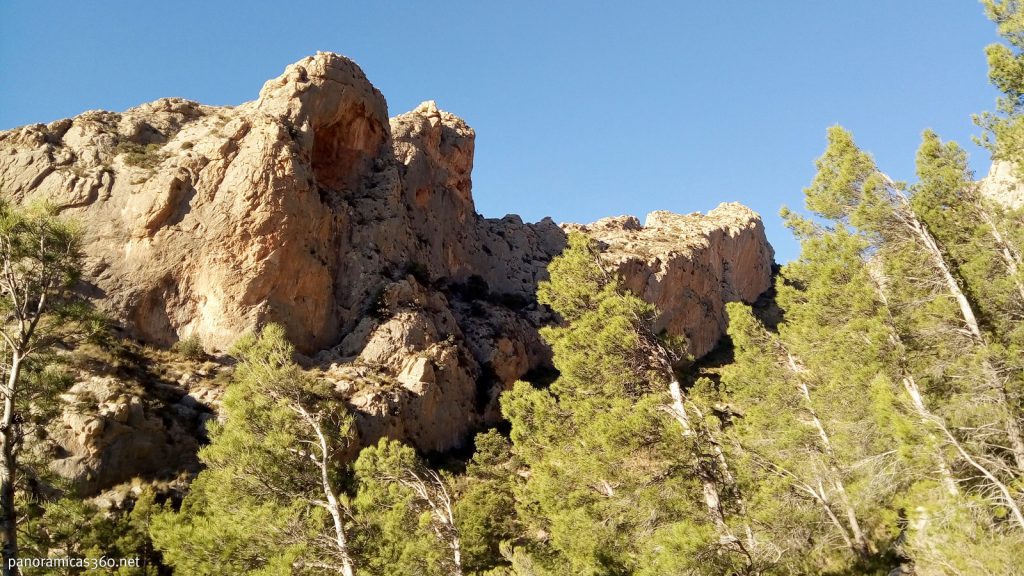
x=582, y=109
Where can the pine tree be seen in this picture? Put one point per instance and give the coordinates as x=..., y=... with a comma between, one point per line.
x=969, y=228
x=1005, y=127
x=75, y=528
x=270, y=500
x=815, y=410
x=40, y=264
x=896, y=318
x=485, y=511
x=623, y=473
x=408, y=513
x=924, y=290
x=972, y=229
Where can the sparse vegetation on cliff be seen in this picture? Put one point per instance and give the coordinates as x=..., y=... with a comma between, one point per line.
x=141, y=155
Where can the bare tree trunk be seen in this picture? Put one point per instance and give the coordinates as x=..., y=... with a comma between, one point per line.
x=817, y=494
x=661, y=357
x=339, y=531
x=966, y=311
x=726, y=472
x=1011, y=258
x=918, y=229
x=455, y=542
x=836, y=521
x=435, y=496
x=712, y=498
x=457, y=555
x=1004, y=491
x=710, y=485
x=863, y=547
x=332, y=505
x=8, y=520
x=910, y=385
x=658, y=356
x=445, y=514
x=8, y=468
x=1010, y=423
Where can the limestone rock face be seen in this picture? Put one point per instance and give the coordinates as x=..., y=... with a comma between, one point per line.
x=310, y=207
x=1003, y=186
x=690, y=265
x=112, y=428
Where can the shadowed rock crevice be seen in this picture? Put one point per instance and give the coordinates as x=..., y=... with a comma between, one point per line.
x=344, y=150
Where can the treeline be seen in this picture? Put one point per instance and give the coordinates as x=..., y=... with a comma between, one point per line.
x=874, y=429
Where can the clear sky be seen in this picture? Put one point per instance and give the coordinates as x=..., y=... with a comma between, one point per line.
x=583, y=109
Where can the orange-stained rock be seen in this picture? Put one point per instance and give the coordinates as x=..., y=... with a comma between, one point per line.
x=690, y=265
x=310, y=207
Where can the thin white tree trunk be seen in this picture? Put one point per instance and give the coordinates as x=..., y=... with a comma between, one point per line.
x=966, y=311
x=447, y=517
x=836, y=522
x=1010, y=423
x=910, y=386
x=8, y=469
x=1004, y=491
x=918, y=401
x=332, y=504
x=818, y=495
x=1011, y=259
x=712, y=499
x=863, y=547
x=678, y=409
x=723, y=466
x=661, y=357
x=434, y=494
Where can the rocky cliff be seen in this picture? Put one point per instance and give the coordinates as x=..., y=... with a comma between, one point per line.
x=1002, y=185
x=310, y=207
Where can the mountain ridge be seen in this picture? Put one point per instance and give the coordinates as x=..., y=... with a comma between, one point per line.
x=357, y=232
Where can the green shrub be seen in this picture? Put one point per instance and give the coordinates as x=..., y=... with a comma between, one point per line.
x=141, y=155
x=191, y=348
x=419, y=271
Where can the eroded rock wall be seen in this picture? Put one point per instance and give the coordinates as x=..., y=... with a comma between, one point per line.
x=1003, y=185
x=310, y=207
x=690, y=265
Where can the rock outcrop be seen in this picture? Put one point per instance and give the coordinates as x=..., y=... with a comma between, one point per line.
x=690, y=265
x=1003, y=185
x=111, y=432
x=293, y=208
x=311, y=208
x=130, y=412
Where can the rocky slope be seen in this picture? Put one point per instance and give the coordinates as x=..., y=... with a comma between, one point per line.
x=311, y=208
